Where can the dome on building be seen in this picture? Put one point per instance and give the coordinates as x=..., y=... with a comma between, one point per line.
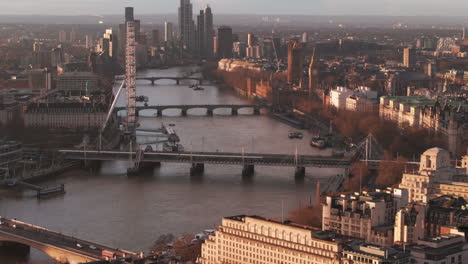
x=435, y=159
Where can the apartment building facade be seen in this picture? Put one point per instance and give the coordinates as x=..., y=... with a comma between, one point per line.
x=259, y=240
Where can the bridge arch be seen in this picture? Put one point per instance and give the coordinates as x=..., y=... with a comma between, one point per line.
x=173, y=81
x=55, y=253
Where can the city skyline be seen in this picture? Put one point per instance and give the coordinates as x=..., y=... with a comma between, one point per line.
x=261, y=7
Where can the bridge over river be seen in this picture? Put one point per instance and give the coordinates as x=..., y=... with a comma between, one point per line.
x=199, y=159
x=177, y=79
x=60, y=247
x=256, y=108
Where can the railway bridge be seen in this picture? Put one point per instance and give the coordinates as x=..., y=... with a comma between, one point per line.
x=199, y=159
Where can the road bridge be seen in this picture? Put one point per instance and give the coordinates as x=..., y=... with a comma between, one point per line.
x=60, y=247
x=199, y=159
x=153, y=80
x=209, y=108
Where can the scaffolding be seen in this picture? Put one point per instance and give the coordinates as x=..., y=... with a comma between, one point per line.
x=130, y=68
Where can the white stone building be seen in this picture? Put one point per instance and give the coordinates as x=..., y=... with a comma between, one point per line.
x=259, y=240
x=367, y=215
x=338, y=97
x=410, y=224
x=436, y=177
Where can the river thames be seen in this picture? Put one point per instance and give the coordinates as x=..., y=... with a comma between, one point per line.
x=132, y=212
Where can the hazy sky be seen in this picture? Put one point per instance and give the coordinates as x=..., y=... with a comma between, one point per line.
x=307, y=7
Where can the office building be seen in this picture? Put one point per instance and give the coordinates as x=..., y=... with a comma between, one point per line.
x=448, y=119
x=251, y=40
x=363, y=99
x=209, y=32
x=103, y=45
x=65, y=116
x=57, y=56
x=253, y=239
x=137, y=26
x=295, y=62
x=224, y=42
x=205, y=33
x=410, y=222
x=111, y=43
x=338, y=97
x=39, y=46
x=129, y=14
x=89, y=41
x=367, y=215
x=186, y=24
x=233, y=65
x=155, y=38
x=62, y=36
x=448, y=249
x=239, y=49
x=436, y=177
x=200, y=35
x=409, y=57
x=77, y=83
x=254, y=52
x=360, y=253
x=168, y=31
x=72, y=36
x=40, y=81
x=268, y=49
x=41, y=59
x=446, y=214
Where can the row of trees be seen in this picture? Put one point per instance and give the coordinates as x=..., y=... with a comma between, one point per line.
x=186, y=246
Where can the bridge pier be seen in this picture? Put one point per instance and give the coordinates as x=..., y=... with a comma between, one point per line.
x=160, y=113
x=346, y=173
x=256, y=111
x=153, y=81
x=178, y=82
x=133, y=171
x=197, y=168
x=248, y=170
x=300, y=172
x=184, y=112
x=92, y=165
x=234, y=111
x=209, y=112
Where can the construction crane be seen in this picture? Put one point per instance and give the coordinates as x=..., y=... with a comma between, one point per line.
x=278, y=61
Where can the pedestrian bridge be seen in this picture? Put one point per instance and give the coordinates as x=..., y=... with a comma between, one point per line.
x=60, y=247
x=159, y=109
x=153, y=80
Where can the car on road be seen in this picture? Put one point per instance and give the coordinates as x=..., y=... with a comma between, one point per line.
x=298, y=135
x=93, y=247
x=78, y=245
